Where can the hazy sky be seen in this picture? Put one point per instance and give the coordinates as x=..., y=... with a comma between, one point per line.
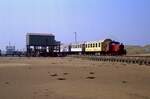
x=125, y=20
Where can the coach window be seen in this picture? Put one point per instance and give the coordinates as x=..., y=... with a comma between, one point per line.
x=96, y=44
x=93, y=45
x=99, y=44
x=86, y=45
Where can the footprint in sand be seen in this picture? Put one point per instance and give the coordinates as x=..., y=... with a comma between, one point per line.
x=61, y=78
x=91, y=73
x=54, y=75
x=90, y=77
x=124, y=82
x=65, y=73
x=7, y=83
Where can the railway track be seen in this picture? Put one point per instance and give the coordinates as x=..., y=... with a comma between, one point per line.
x=141, y=60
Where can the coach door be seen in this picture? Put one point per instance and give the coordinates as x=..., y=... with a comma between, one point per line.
x=83, y=48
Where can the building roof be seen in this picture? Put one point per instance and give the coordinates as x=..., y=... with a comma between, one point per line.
x=45, y=34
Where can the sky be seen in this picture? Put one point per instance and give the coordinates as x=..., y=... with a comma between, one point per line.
x=127, y=21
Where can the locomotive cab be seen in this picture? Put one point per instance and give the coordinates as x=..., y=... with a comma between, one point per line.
x=116, y=48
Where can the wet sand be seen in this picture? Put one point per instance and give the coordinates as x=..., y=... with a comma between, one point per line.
x=71, y=78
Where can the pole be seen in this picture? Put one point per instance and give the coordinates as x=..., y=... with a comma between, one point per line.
x=75, y=37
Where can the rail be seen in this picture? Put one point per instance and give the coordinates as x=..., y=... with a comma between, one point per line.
x=141, y=60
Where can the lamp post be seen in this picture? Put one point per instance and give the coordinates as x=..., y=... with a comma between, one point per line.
x=75, y=33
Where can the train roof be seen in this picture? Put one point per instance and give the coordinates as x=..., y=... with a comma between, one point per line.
x=94, y=41
x=85, y=42
x=104, y=40
x=77, y=43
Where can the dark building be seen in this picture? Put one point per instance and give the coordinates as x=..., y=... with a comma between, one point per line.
x=39, y=44
x=0, y=52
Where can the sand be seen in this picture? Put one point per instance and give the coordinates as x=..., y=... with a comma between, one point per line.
x=72, y=78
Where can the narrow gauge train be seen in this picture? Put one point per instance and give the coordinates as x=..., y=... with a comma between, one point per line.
x=104, y=47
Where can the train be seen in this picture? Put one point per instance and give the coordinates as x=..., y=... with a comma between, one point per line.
x=100, y=47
